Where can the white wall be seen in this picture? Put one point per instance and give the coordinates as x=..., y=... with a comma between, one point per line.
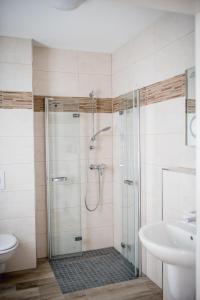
x=197, y=51
x=75, y=74
x=178, y=199
x=17, y=201
x=162, y=146
x=163, y=50
x=15, y=64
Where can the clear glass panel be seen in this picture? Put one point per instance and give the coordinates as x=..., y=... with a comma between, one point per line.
x=63, y=176
x=190, y=108
x=130, y=180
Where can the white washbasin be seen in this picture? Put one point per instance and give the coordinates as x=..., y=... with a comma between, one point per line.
x=174, y=243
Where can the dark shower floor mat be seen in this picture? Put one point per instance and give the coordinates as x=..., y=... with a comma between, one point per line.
x=91, y=269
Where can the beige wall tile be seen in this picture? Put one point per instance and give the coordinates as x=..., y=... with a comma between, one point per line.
x=55, y=83
x=15, y=77
x=103, y=215
x=94, y=63
x=98, y=238
x=15, y=50
x=41, y=245
x=101, y=84
x=54, y=60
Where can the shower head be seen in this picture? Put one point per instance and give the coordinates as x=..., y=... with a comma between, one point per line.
x=93, y=138
x=91, y=94
x=106, y=128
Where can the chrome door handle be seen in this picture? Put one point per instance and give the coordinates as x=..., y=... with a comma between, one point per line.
x=129, y=182
x=59, y=179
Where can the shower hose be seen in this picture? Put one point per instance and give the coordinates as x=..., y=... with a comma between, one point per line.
x=100, y=188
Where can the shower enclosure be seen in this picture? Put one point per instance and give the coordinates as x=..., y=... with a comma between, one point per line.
x=63, y=173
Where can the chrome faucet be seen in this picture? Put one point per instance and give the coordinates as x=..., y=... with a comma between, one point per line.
x=190, y=217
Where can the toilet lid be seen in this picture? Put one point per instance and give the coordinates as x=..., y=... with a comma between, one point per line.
x=7, y=241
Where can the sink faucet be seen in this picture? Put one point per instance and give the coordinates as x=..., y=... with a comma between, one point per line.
x=190, y=217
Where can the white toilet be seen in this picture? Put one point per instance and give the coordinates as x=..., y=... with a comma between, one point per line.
x=8, y=246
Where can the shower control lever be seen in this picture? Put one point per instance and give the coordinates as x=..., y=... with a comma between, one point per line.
x=97, y=166
x=59, y=179
x=129, y=182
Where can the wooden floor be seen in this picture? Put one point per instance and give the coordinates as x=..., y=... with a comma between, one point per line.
x=41, y=284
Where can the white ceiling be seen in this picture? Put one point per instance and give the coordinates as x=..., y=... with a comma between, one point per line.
x=179, y=6
x=97, y=25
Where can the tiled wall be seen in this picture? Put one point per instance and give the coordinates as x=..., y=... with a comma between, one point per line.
x=16, y=64
x=162, y=145
x=61, y=73
x=97, y=226
x=164, y=50
x=17, y=201
x=71, y=73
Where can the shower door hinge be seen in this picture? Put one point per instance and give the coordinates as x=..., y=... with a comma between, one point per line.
x=76, y=115
x=137, y=273
x=123, y=245
x=135, y=102
x=78, y=238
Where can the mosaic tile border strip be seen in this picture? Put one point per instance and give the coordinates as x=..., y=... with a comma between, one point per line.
x=164, y=90
x=81, y=104
x=16, y=100
x=122, y=102
x=160, y=91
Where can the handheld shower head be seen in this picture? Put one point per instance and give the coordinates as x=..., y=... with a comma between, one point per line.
x=92, y=94
x=106, y=128
x=93, y=138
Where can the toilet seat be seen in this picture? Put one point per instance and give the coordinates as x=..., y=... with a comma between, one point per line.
x=7, y=242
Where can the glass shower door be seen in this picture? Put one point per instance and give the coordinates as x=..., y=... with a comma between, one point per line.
x=130, y=181
x=63, y=177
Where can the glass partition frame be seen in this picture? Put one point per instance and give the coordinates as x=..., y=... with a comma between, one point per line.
x=131, y=170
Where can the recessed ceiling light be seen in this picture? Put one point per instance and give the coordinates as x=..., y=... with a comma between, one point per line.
x=67, y=4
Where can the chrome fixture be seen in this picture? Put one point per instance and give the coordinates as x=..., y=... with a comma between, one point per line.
x=93, y=106
x=92, y=94
x=129, y=182
x=94, y=135
x=99, y=167
x=93, y=138
x=59, y=179
x=190, y=217
x=91, y=147
x=123, y=245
